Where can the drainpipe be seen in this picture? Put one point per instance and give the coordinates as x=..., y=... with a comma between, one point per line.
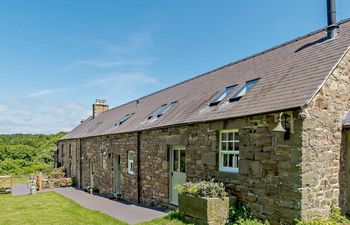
x=138, y=167
x=80, y=165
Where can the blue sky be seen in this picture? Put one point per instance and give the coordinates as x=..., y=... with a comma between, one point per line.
x=57, y=57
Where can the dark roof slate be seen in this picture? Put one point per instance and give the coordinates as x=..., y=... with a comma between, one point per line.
x=289, y=76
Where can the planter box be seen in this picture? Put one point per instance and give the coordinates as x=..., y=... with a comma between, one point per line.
x=206, y=210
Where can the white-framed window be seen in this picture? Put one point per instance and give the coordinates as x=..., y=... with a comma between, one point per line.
x=131, y=156
x=229, y=151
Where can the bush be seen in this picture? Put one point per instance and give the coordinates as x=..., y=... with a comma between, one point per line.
x=27, y=153
x=335, y=219
x=175, y=215
x=251, y=222
x=239, y=213
x=57, y=173
x=203, y=189
x=74, y=181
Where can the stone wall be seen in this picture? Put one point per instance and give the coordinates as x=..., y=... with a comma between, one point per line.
x=68, y=156
x=323, y=167
x=100, y=150
x=268, y=180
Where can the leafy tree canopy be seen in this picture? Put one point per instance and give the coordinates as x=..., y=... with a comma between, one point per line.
x=27, y=153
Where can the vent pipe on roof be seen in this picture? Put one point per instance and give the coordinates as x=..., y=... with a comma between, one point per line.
x=332, y=27
x=99, y=107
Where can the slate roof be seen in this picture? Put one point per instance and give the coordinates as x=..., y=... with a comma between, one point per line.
x=289, y=76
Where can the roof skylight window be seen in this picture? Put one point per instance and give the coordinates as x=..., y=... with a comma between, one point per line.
x=161, y=110
x=219, y=97
x=123, y=119
x=243, y=90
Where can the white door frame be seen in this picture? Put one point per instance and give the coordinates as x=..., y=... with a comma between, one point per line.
x=171, y=170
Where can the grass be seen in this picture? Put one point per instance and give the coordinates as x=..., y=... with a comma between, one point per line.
x=50, y=208
x=173, y=218
x=165, y=221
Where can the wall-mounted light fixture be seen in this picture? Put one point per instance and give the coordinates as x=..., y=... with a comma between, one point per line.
x=285, y=124
x=279, y=127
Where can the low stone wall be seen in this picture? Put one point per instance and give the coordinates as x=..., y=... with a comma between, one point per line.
x=56, y=183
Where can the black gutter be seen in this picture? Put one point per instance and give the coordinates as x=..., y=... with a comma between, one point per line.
x=138, y=167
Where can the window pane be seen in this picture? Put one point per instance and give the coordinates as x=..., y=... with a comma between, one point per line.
x=131, y=156
x=182, y=162
x=237, y=136
x=224, y=160
x=236, y=146
x=224, y=146
x=230, y=136
x=243, y=90
x=236, y=161
x=176, y=161
x=230, y=146
x=231, y=159
x=223, y=136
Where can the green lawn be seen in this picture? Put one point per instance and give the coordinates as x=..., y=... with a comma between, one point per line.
x=51, y=208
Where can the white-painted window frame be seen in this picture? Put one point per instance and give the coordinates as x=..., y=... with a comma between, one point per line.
x=228, y=152
x=131, y=162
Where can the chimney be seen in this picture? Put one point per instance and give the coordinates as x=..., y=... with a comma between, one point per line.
x=332, y=27
x=99, y=107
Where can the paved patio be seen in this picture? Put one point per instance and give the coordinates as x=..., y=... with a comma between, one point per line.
x=123, y=211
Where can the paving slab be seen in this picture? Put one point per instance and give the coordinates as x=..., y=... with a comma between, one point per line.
x=123, y=211
x=22, y=189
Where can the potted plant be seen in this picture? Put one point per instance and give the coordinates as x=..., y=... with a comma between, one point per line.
x=90, y=189
x=205, y=202
x=118, y=195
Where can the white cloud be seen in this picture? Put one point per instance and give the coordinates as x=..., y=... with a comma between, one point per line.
x=107, y=63
x=41, y=116
x=133, y=43
x=128, y=79
x=3, y=108
x=44, y=92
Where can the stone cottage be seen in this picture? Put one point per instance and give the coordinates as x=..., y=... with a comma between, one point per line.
x=274, y=127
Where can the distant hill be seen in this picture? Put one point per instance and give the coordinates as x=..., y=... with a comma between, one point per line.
x=27, y=153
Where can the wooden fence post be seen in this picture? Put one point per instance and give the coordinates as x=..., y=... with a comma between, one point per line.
x=40, y=181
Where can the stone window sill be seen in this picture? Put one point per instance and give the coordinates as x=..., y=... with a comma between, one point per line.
x=223, y=174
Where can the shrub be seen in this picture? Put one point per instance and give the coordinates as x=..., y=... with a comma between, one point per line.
x=203, y=189
x=239, y=213
x=74, y=182
x=57, y=173
x=251, y=222
x=175, y=215
x=335, y=219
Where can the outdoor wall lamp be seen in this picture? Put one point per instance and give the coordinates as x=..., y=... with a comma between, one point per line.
x=279, y=127
x=285, y=124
